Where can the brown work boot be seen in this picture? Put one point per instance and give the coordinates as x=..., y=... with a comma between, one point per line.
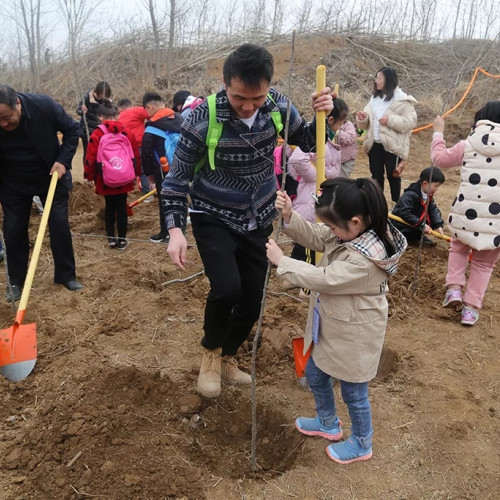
x=232, y=374
x=210, y=373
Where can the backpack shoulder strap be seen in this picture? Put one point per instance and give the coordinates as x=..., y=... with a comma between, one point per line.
x=155, y=131
x=276, y=117
x=214, y=131
x=104, y=129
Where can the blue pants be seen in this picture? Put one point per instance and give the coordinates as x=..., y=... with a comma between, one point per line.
x=355, y=396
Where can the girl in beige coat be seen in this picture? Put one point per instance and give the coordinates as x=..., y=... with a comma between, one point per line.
x=389, y=118
x=348, y=309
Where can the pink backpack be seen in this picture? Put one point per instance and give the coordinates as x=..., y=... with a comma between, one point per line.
x=116, y=159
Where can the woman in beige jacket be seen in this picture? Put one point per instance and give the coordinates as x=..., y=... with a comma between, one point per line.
x=348, y=309
x=389, y=118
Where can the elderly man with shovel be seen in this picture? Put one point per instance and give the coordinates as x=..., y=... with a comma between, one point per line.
x=30, y=152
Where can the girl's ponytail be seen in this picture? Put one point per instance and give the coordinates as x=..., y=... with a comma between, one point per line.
x=378, y=210
x=342, y=199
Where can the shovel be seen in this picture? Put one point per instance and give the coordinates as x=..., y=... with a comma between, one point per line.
x=434, y=233
x=139, y=200
x=18, y=343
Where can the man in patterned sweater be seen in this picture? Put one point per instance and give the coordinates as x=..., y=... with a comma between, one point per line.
x=232, y=204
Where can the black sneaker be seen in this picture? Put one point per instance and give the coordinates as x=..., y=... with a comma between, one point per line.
x=112, y=242
x=15, y=295
x=429, y=241
x=122, y=243
x=160, y=238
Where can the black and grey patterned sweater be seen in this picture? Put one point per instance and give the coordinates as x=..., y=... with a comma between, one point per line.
x=242, y=186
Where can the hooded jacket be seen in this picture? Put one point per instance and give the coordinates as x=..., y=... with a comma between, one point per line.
x=302, y=168
x=395, y=136
x=411, y=208
x=351, y=282
x=475, y=212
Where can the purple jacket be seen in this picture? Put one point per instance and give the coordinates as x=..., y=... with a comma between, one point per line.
x=302, y=165
x=346, y=139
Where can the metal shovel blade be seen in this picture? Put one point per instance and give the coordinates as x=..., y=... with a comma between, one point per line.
x=18, y=351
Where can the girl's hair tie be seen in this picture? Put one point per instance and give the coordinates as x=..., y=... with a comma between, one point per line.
x=359, y=182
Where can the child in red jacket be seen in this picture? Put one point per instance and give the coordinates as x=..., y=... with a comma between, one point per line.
x=115, y=197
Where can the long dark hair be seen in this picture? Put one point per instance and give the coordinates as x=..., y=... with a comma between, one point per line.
x=342, y=199
x=490, y=111
x=391, y=82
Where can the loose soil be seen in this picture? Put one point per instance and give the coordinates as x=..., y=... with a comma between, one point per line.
x=111, y=411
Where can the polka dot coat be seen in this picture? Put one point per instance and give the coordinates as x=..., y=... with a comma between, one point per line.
x=475, y=212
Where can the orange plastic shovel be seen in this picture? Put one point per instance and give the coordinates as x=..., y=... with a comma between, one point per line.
x=139, y=200
x=299, y=357
x=18, y=343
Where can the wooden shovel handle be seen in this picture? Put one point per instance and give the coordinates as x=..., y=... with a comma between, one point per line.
x=36, y=250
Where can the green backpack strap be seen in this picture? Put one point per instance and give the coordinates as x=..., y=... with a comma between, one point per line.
x=214, y=131
x=276, y=117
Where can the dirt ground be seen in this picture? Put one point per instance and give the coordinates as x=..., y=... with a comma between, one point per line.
x=114, y=384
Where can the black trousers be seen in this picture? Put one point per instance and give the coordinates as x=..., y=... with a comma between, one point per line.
x=304, y=254
x=16, y=200
x=380, y=161
x=159, y=182
x=236, y=266
x=116, y=209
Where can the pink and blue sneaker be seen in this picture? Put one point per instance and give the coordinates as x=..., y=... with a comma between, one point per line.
x=470, y=316
x=348, y=451
x=313, y=427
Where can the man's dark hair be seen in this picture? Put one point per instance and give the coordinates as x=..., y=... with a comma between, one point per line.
x=103, y=88
x=250, y=63
x=437, y=175
x=391, y=82
x=8, y=96
x=151, y=97
x=124, y=103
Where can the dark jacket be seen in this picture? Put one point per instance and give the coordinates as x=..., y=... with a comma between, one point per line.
x=91, y=115
x=411, y=208
x=242, y=188
x=44, y=118
x=165, y=119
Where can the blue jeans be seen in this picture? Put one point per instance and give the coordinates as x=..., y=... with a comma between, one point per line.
x=355, y=396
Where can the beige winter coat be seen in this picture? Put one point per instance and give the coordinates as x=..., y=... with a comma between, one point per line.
x=353, y=306
x=395, y=136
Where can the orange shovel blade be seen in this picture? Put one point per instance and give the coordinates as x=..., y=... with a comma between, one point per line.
x=17, y=351
x=299, y=357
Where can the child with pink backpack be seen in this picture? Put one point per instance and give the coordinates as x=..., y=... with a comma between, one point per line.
x=112, y=162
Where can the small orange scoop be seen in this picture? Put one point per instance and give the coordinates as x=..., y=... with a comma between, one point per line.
x=299, y=357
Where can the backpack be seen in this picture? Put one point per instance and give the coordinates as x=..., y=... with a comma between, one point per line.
x=115, y=158
x=291, y=184
x=171, y=140
x=214, y=131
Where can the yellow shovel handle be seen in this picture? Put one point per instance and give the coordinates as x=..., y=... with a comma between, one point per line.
x=434, y=233
x=142, y=198
x=38, y=246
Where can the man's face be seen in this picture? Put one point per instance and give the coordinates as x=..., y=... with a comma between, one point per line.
x=10, y=118
x=246, y=100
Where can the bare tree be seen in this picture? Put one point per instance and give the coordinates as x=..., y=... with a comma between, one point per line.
x=150, y=5
x=171, y=38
